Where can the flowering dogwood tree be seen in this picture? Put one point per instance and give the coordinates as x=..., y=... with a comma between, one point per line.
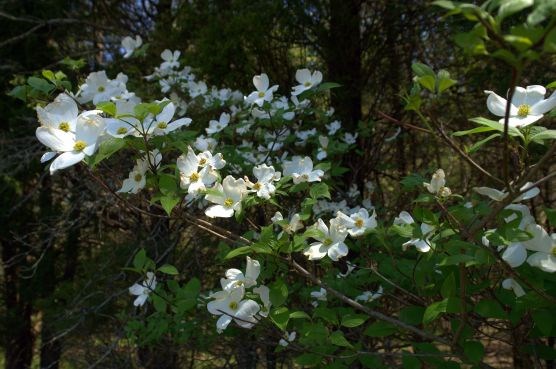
x=261, y=170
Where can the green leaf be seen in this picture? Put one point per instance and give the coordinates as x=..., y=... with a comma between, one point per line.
x=158, y=302
x=510, y=7
x=299, y=315
x=319, y=190
x=474, y=351
x=168, y=269
x=328, y=85
x=308, y=359
x=445, y=83
x=473, y=131
x=168, y=202
x=278, y=293
x=428, y=82
x=19, y=92
x=280, y=317
x=353, y=320
x=448, y=288
x=237, y=252
x=412, y=315
x=477, y=145
x=380, y=329
x=107, y=107
x=40, y=84
x=488, y=308
x=48, y=74
x=549, y=134
x=512, y=131
x=410, y=362
x=106, y=149
x=544, y=321
x=140, y=259
x=337, y=338
x=422, y=70
x=167, y=184
x=434, y=310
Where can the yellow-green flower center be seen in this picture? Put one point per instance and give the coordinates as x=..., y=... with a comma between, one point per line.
x=523, y=110
x=162, y=125
x=194, y=177
x=121, y=131
x=307, y=84
x=233, y=305
x=79, y=145
x=228, y=202
x=359, y=223
x=261, y=93
x=327, y=242
x=257, y=186
x=138, y=177
x=305, y=177
x=203, y=161
x=553, y=251
x=100, y=89
x=64, y=126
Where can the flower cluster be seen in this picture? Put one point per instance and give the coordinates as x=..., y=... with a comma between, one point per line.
x=231, y=303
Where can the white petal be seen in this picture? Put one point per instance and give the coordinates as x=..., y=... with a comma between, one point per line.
x=543, y=261
x=47, y=156
x=316, y=251
x=493, y=193
x=261, y=82
x=253, y=269
x=65, y=160
x=496, y=104
x=223, y=322
x=544, y=106
x=515, y=254
x=140, y=300
x=541, y=241
x=337, y=251
x=55, y=139
x=520, y=95
x=535, y=94
x=219, y=211
x=517, y=121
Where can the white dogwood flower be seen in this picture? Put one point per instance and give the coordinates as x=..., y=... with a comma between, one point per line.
x=235, y=277
x=218, y=125
x=498, y=195
x=129, y=44
x=137, y=177
x=330, y=242
x=288, y=338
x=511, y=284
x=264, y=186
x=358, y=223
x=528, y=105
x=170, y=59
x=143, y=290
x=230, y=305
x=227, y=197
x=437, y=184
x=73, y=146
x=263, y=92
x=544, y=246
x=369, y=296
x=191, y=177
x=319, y=295
x=306, y=80
x=421, y=244
x=264, y=295
x=293, y=226
x=301, y=170
x=60, y=114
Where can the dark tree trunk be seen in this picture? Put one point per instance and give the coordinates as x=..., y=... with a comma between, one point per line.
x=19, y=334
x=343, y=58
